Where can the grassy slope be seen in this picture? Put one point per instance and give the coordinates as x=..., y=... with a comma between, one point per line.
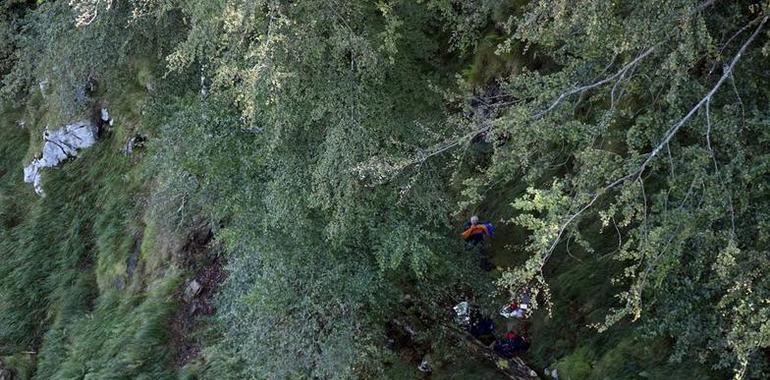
x=69, y=307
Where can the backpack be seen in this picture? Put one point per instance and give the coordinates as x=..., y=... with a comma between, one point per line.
x=490, y=228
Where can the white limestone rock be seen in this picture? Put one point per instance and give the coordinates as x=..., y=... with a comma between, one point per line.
x=59, y=145
x=106, y=118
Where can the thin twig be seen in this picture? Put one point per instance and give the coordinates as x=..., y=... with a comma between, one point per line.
x=643, y=278
x=578, y=90
x=570, y=253
x=716, y=169
x=708, y=137
x=423, y=156
x=644, y=207
x=619, y=74
x=740, y=101
x=736, y=34
x=727, y=73
x=670, y=160
x=620, y=236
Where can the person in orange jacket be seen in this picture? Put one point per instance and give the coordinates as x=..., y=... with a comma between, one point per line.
x=474, y=232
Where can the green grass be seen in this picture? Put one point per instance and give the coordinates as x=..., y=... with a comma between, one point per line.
x=68, y=308
x=125, y=336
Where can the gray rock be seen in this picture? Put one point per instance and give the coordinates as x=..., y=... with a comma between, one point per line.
x=192, y=290
x=44, y=86
x=425, y=365
x=59, y=145
x=552, y=373
x=105, y=114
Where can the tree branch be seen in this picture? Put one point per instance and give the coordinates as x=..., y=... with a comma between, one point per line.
x=666, y=139
x=620, y=74
x=727, y=73
x=736, y=34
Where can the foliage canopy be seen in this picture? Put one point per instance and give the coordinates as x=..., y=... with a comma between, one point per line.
x=334, y=146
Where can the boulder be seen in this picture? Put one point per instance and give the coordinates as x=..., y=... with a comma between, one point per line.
x=552, y=373
x=59, y=145
x=462, y=313
x=192, y=290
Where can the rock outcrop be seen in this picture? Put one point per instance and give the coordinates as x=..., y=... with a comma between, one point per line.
x=59, y=145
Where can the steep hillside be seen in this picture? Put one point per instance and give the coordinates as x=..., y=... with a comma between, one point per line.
x=277, y=189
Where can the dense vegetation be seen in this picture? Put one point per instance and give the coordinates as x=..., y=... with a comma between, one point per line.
x=327, y=154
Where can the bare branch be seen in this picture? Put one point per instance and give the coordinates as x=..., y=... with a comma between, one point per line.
x=727, y=73
x=619, y=74
x=736, y=34
x=618, y=77
x=670, y=159
x=666, y=139
x=740, y=101
x=570, y=253
x=87, y=11
x=450, y=145
x=708, y=136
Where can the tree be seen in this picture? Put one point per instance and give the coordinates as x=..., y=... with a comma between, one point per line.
x=642, y=131
x=299, y=96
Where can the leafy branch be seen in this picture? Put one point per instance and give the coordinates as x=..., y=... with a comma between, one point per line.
x=670, y=133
